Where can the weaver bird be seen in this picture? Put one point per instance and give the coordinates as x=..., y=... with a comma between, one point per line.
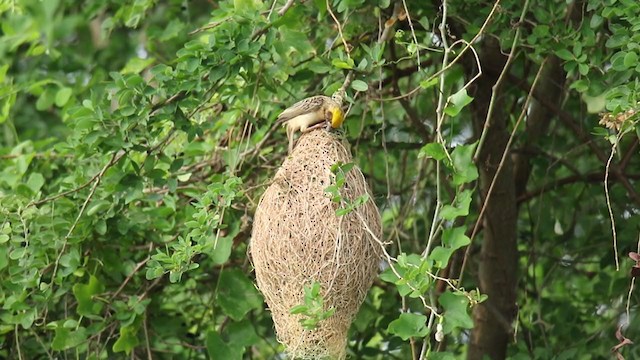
x=312, y=113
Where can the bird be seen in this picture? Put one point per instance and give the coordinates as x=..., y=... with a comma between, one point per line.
x=312, y=113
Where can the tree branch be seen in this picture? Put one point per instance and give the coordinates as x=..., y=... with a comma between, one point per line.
x=593, y=177
x=413, y=115
x=573, y=124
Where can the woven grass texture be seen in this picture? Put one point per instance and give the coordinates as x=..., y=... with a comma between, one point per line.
x=298, y=239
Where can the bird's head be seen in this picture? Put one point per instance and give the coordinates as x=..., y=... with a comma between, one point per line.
x=335, y=116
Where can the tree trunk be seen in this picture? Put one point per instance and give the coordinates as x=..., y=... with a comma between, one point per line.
x=498, y=256
x=549, y=88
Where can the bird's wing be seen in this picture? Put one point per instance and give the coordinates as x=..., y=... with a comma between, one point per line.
x=307, y=105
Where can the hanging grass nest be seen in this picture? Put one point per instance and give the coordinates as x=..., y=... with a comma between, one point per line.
x=298, y=240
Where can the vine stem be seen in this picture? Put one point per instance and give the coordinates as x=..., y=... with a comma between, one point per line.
x=413, y=33
x=633, y=282
x=440, y=120
x=496, y=86
x=97, y=178
x=608, y=200
x=505, y=153
x=335, y=19
x=455, y=60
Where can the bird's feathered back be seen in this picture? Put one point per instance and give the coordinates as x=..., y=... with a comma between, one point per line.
x=307, y=105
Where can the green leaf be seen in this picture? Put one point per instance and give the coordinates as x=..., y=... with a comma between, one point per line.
x=175, y=276
x=565, y=54
x=220, y=350
x=321, y=5
x=362, y=66
x=46, y=99
x=347, y=167
x=3, y=72
x=444, y=355
x=583, y=69
x=298, y=40
x=66, y=339
x=617, y=40
x=595, y=104
x=441, y=255
x=341, y=64
x=457, y=101
x=630, y=60
x=455, y=238
x=220, y=254
x=237, y=295
x=62, y=96
x=127, y=340
x=618, y=62
x=460, y=206
x=465, y=170
x=409, y=325
x=17, y=253
x=4, y=260
x=136, y=65
x=35, y=182
x=581, y=85
x=389, y=276
x=425, y=84
x=541, y=31
x=6, y=228
x=433, y=150
x=6, y=103
x=97, y=206
x=242, y=334
x=359, y=85
x=84, y=295
x=244, y=6
x=456, y=314
x=319, y=67
x=596, y=20
x=299, y=309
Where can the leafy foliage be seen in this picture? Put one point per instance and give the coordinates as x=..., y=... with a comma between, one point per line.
x=313, y=310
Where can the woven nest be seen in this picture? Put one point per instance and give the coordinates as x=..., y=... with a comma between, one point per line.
x=298, y=239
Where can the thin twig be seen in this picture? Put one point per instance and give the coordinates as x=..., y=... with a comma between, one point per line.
x=64, y=193
x=17, y=335
x=505, y=154
x=413, y=33
x=210, y=26
x=608, y=201
x=496, y=86
x=456, y=59
x=286, y=7
x=135, y=270
x=44, y=347
x=335, y=19
x=590, y=177
x=439, y=121
x=631, y=153
x=573, y=124
x=114, y=159
x=633, y=281
x=146, y=338
x=390, y=260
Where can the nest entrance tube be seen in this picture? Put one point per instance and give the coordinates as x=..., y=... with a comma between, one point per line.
x=298, y=240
